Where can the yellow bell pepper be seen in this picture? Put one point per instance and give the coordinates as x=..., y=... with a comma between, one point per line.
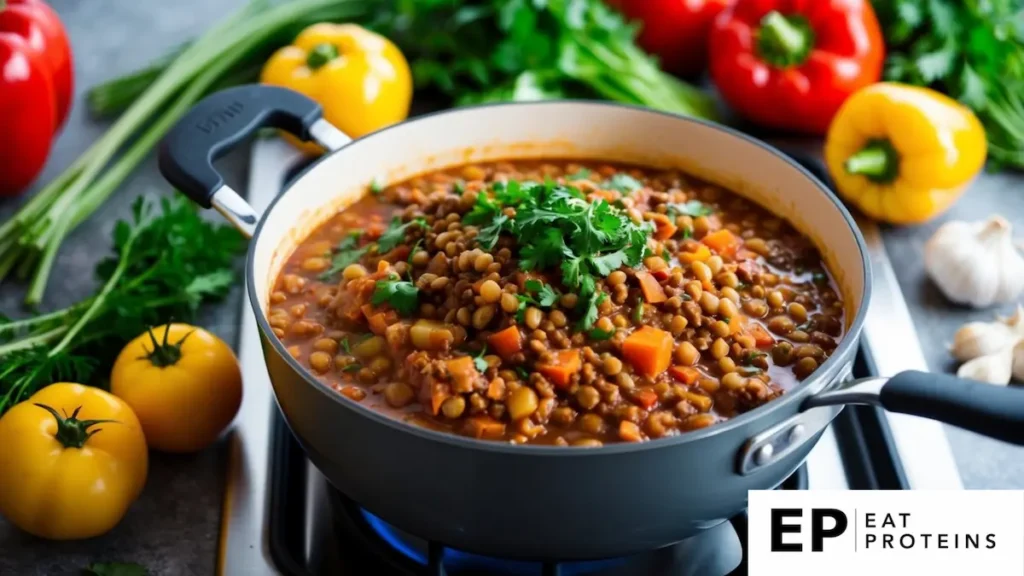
x=359, y=77
x=903, y=154
x=72, y=459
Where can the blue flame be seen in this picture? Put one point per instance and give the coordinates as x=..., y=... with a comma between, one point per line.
x=455, y=560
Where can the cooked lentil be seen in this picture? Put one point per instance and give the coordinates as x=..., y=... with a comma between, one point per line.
x=738, y=308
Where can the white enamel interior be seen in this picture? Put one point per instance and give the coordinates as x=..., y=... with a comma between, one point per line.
x=561, y=130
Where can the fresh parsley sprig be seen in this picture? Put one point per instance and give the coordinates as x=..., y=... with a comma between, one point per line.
x=348, y=253
x=395, y=234
x=401, y=295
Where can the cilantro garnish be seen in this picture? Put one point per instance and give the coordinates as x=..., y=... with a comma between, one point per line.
x=522, y=373
x=581, y=174
x=623, y=183
x=638, y=311
x=376, y=186
x=459, y=187
x=348, y=254
x=403, y=296
x=751, y=356
x=395, y=234
x=346, y=346
x=479, y=362
x=545, y=296
x=598, y=334
x=692, y=208
x=353, y=367
x=557, y=228
x=820, y=278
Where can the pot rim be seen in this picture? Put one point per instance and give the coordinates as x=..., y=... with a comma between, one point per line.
x=817, y=382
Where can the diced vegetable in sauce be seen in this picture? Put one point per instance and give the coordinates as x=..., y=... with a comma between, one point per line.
x=558, y=302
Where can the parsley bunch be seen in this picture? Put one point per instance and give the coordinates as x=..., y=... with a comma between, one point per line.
x=972, y=50
x=166, y=265
x=497, y=50
x=556, y=228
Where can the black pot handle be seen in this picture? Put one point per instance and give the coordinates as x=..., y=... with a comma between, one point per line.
x=988, y=409
x=222, y=120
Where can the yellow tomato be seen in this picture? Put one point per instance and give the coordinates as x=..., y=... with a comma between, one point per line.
x=184, y=384
x=72, y=459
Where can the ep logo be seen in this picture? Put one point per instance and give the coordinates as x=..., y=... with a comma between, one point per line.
x=821, y=522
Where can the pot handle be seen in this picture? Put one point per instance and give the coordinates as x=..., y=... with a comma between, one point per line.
x=994, y=411
x=222, y=120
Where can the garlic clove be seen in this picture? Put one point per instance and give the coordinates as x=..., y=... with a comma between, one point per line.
x=1017, y=363
x=975, y=263
x=976, y=339
x=993, y=368
x=1015, y=321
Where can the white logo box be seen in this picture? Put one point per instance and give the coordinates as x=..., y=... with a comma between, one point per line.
x=924, y=532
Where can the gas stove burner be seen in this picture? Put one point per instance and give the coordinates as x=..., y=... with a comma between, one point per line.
x=716, y=551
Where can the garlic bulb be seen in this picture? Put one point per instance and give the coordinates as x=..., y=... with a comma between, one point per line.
x=976, y=339
x=975, y=263
x=1018, y=362
x=993, y=368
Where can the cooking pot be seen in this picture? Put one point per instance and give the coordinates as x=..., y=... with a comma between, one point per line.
x=548, y=502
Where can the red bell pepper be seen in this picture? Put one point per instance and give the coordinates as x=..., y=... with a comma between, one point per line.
x=790, y=64
x=676, y=31
x=35, y=89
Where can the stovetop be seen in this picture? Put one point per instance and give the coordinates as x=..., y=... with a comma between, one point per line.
x=282, y=517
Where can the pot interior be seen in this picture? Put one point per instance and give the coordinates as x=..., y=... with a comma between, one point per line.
x=566, y=130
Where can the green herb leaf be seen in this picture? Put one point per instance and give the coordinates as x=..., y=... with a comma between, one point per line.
x=347, y=254
x=547, y=251
x=459, y=187
x=403, y=296
x=376, y=186
x=638, y=311
x=479, y=362
x=395, y=234
x=345, y=345
x=353, y=367
x=484, y=210
x=598, y=334
x=581, y=174
x=692, y=208
x=116, y=569
x=623, y=183
x=523, y=374
x=488, y=236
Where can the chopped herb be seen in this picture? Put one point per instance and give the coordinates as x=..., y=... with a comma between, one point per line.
x=353, y=367
x=751, y=356
x=459, y=187
x=687, y=233
x=395, y=234
x=598, y=334
x=479, y=362
x=665, y=255
x=820, y=278
x=692, y=208
x=403, y=296
x=587, y=306
x=545, y=296
x=638, y=310
x=345, y=345
x=412, y=253
x=522, y=373
x=687, y=297
x=726, y=319
x=376, y=186
x=623, y=183
x=581, y=174
x=348, y=254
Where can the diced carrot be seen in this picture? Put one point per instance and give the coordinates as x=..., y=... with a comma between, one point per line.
x=463, y=373
x=507, y=342
x=560, y=371
x=496, y=389
x=378, y=323
x=664, y=227
x=432, y=394
x=606, y=195
x=436, y=399
x=761, y=336
x=653, y=292
x=646, y=398
x=684, y=374
x=737, y=324
x=649, y=350
x=629, y=432
x=485, y=427
x=700, y=255
x=723, y=241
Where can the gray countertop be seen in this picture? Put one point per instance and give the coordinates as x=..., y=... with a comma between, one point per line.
x=173, y=528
